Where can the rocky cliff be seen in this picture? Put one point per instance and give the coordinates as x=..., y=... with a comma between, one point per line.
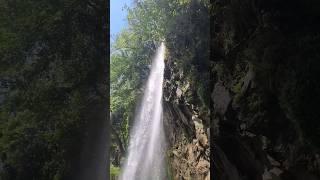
x=265, y=120
x=186, y=127
x=264, y=90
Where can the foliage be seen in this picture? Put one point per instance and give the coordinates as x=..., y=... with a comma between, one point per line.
x=114, y=171
x=51, y=57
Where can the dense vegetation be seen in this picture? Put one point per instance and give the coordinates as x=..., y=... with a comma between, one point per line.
x=52, y=65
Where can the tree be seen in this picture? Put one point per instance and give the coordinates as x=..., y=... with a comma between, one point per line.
x=53, y=57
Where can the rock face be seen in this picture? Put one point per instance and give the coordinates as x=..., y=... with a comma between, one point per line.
x=187, y=134
x=264, y=95
x=264, y=124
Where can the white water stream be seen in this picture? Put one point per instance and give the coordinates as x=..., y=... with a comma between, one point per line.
x=146, y=152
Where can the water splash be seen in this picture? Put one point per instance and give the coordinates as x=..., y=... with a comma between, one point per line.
x=146, y=155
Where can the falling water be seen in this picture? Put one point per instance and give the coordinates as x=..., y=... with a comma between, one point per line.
x=145, y=159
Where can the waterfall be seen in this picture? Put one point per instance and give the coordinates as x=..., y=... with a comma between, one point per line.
x=146, y=152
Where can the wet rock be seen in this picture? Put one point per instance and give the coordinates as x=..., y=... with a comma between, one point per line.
x=221, y=98
x=247, y=81
x=268, y=175
x=178, y=93
x=272, y=161
x=276, y=171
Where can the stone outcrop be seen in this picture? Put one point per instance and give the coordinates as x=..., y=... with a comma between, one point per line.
x=187, y=134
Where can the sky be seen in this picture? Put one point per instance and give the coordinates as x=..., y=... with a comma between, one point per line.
x=118, y=17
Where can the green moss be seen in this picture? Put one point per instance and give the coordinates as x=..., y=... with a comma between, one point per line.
x=169, y=171
x=114, y=171
x=236, y=89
